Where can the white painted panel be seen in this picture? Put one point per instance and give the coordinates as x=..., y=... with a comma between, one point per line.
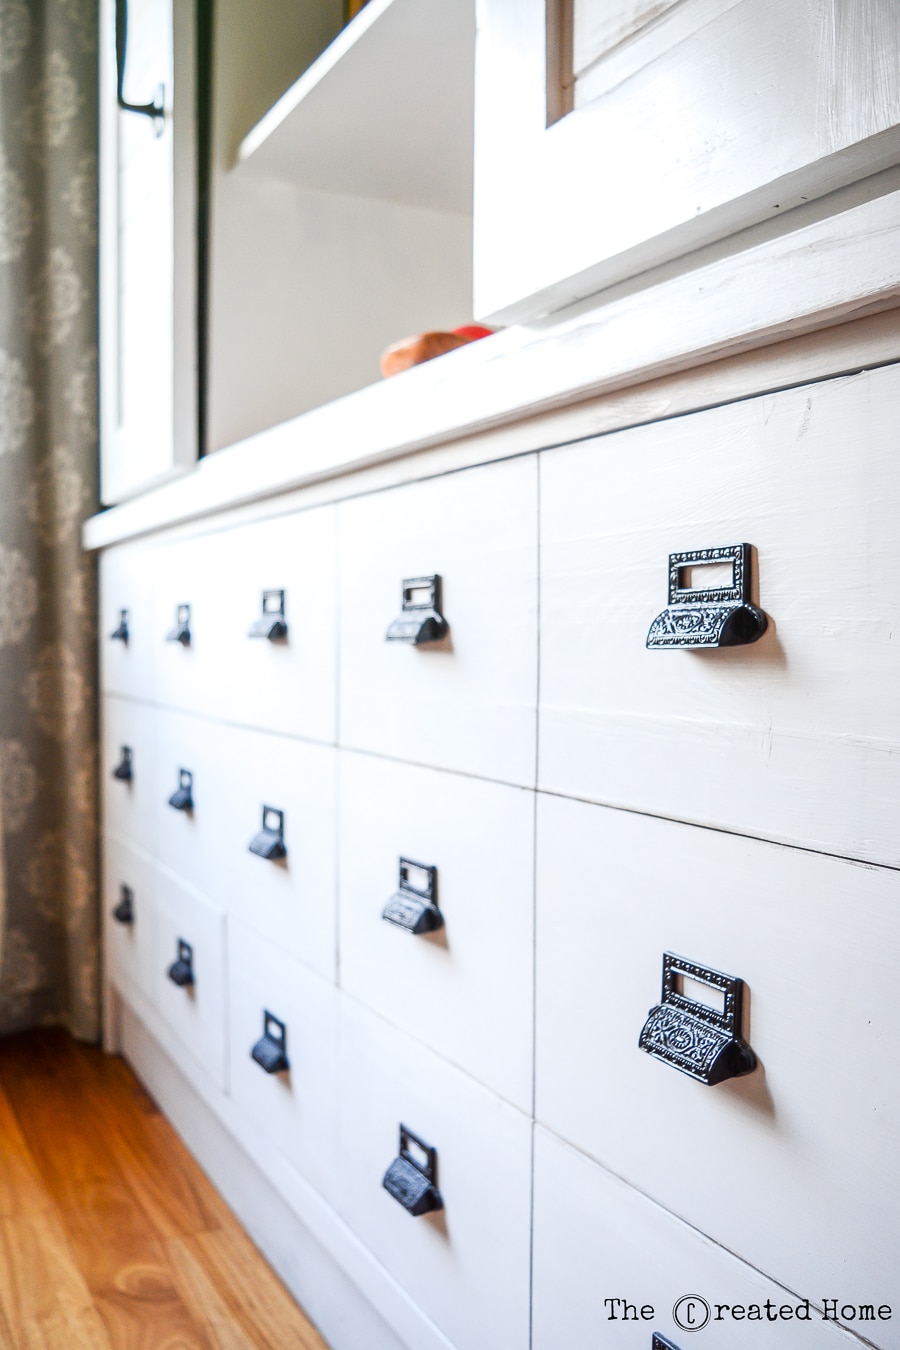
x=794, y=737
x=197, y=1012
x=129, y=808
x=295, y=1110
x=465, y=989
x=756, y=112
x=596, y=1240
x=129, y=950
x=290, y=901
x=127, y=667
x=187, y=841
x=189, y=572
x=287, y=686
x=794, y=1167
x=467, y=1265
x=466, y=702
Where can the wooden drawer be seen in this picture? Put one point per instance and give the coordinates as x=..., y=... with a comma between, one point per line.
x=195, y=1011
x=791, y=738
x=465, y=702
x=126, y=621
x=129, y=803
x=187, y=583
x=288, y=684
x=236, y=773
x=466, y=1265
x=596, y=1240
x=442, y=986
x=793, y=1167
x=129, y=943
x=294, y=1109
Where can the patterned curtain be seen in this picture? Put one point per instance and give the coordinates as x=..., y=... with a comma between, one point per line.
x=48, y=483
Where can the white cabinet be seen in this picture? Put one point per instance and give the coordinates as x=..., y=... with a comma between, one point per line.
x=148, y=245
x=790, y=737
x=668, y=127
x=467, y=700
x=763, y=1163
x=442, y=985
x=190, y=977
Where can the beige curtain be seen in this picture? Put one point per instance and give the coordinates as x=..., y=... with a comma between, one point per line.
x=48, y=455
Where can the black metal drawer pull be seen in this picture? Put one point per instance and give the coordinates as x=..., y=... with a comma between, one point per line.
x=124, y=770
x=269, y=843
x=270, y=1051
x=183, y=796
x=124, y=910
x=700, y=1040
x=661, y=1343
x=271, y=624
x=421, y=620
x=414, y=906
x=719, y=616
x=181, y=971
x=182, y=630
x=120, y=634
x=412, y=1177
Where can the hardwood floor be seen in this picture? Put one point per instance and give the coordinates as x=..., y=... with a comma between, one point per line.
x=111, y=1237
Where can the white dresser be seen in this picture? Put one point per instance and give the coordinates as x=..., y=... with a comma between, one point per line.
x=533, y=985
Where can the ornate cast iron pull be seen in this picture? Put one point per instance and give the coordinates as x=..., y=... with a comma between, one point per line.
x=421, y=620
x=661, y=1343
x=412, y=1176
x=270, y=1051
x=414, y=906
x=701, y=1041
x=124, y=910
x=181, y=971
x=719, y=616
x=124, y=770
x=183, y=796
x=120, y=634
x=182, y=630
x=271, y=623
x=269, y=843
x=155, y=110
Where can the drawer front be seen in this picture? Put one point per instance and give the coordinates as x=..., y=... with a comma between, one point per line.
x=598, y=1244
x=235, y=774
x=793, y=737
x=466, y=702
x=126, y=621
x=442, y=986
x=466, y=1265
x=762, y=1163
x=286, y=684
x=294, y=1109
x=196, y=1010
x=129, y=803
x=129, y=918
x=187, y=586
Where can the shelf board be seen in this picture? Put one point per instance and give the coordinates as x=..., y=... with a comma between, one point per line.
x=386, y=111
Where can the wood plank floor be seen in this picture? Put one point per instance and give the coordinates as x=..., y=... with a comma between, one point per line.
x=111, y=1237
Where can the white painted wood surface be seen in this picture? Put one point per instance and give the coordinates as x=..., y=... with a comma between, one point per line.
x=148, y=356
x=795, y=737
x=129, y=808
x=794, y=1167
x=442, y=987
x=596, y=1239
x=126, y=583
x=294, y=1111
x=195, y=1012
x=129, y=950
x=721, y=132
x=386, y=111
x=839, y=268
x=467, y=1265
x=467, y=702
